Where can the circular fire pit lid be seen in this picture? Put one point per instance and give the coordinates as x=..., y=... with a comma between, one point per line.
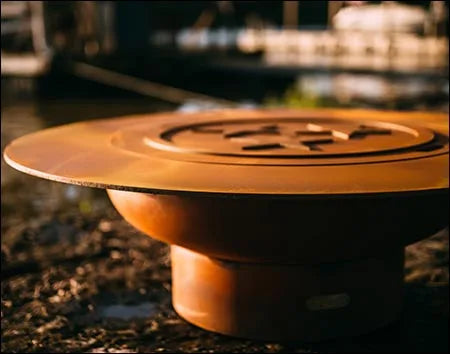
x=245, y=152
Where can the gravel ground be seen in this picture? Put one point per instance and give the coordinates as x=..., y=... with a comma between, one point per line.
x=77, y=278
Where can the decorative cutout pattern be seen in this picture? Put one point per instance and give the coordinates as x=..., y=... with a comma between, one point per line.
x=276, y=136
x=282, y=141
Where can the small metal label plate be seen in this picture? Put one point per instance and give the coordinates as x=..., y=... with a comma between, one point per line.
x=328, y=302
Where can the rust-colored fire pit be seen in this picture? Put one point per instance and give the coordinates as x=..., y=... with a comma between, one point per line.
x=284, y=224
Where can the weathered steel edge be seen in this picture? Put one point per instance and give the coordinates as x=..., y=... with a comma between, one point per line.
x=200, y=193
x=192, y=193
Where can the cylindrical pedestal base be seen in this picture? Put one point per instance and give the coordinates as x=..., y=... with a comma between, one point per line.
x=287, y=302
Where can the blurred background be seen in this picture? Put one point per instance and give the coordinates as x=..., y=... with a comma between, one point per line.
x=366, y=53
x=76, y=277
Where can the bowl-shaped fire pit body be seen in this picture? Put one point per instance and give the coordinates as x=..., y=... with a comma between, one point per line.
x=284, y=224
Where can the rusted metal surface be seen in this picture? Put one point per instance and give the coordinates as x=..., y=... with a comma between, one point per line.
x=300, y=231
x=313, y=200
x=240, y=152
x=278, y=255
x=287, y=302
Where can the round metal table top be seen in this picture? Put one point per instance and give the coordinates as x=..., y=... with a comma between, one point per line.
x=245, y=152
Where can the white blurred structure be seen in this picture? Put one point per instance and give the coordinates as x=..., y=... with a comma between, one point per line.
x=24, y=18
x=387, y=36
x=346, y=49
x=380, y=37
x=194, y=39
x=387, y=17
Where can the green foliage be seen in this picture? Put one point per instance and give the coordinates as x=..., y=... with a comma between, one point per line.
x=294, y=98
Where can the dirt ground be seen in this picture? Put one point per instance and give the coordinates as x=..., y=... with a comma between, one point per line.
x=77, y=278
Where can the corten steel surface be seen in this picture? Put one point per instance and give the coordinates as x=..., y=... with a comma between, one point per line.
x=276, y=217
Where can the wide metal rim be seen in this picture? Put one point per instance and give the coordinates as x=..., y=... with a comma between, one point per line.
x=105, y=166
